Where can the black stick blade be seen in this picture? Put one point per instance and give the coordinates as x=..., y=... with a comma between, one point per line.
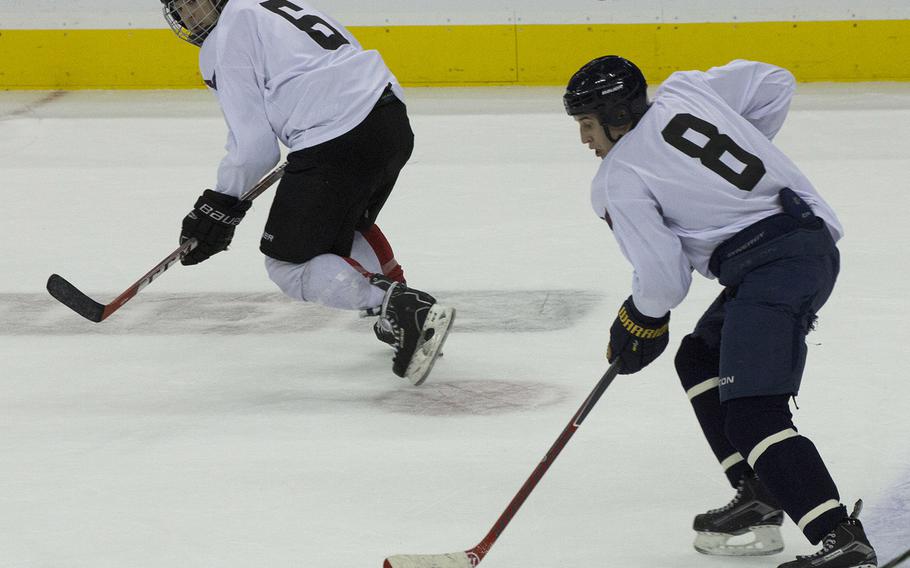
x=897, y=561
x=74, y=299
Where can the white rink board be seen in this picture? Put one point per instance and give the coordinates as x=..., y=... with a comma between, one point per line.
x=117, y=14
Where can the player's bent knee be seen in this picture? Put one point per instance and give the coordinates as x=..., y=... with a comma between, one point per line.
x=696, y=363
x=287, y=276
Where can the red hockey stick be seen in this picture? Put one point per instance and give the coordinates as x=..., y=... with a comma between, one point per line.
x=88, y=308
x=472, y=557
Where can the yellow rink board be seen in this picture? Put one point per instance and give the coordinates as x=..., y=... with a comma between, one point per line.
x=856, y=50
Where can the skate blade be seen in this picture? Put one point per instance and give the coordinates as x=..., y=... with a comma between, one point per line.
x=440, y=320
x=767, y=540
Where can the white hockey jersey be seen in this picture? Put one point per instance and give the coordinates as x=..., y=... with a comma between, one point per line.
x=284, y=71
x=699, y=167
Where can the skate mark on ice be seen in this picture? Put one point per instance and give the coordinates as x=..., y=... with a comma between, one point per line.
x=519, y=310
x=471, y=398
x=226, y=313
x=275, y=398
x=29, y=107
x=887, y=520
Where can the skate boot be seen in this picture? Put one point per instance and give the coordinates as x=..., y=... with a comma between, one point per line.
x=844, y=547
x=414, y=325
x=753, y=516
x=382, y=328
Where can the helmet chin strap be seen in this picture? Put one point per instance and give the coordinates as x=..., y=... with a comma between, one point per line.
x=610, y=138
x=606, y=128
x=632, y=125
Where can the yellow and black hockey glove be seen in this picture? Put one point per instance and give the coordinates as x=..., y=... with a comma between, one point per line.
x=637, y=339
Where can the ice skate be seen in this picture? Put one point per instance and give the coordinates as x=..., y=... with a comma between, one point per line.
x=383, y=329
x=414, y=325
x=749, y=525
x=845, y=547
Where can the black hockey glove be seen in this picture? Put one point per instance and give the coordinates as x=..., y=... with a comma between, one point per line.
x=636, y=339
x=211, y=223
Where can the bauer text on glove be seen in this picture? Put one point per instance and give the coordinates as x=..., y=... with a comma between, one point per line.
x=211, y=222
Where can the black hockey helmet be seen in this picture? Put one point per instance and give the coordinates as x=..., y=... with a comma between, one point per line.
x=612, y=88
x=194, y=32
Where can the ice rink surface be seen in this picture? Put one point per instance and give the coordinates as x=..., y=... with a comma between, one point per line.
x=212, y=423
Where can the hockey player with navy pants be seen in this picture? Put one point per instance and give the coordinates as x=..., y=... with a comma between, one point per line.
x=692, y=181
x=284, y=71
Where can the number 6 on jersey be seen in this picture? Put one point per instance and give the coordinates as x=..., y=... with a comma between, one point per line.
x=314, y=26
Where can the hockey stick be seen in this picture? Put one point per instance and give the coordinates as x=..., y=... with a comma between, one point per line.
x=897, y=561
x=76, y=300
x=472, y=557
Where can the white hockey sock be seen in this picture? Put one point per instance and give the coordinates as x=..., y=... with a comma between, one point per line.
x=328, y=280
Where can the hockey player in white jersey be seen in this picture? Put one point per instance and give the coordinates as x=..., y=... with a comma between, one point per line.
x=692, y=181
x=284, y=71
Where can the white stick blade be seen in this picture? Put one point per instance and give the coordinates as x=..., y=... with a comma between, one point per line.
x=454, y=560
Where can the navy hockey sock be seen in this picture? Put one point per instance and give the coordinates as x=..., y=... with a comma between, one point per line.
x=697, y=366
x=788, y=464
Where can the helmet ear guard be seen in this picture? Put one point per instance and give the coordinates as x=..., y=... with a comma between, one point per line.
x=611, y=88
x=619, y=115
